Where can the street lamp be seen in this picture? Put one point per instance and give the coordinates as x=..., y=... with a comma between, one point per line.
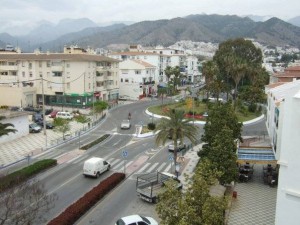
x=44, y=117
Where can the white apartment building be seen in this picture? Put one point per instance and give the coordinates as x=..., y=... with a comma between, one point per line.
x=283, y=124
x=136, y=79
x=161, y=58
x=159, y=61
x=74, y=78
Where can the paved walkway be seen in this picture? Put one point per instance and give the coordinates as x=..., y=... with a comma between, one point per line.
x=31, y=144
x=255, y=203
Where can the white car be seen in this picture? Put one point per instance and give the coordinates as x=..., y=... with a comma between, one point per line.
x=125, y=124
x=136, y=220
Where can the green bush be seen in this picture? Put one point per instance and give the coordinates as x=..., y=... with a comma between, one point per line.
x=151, y=126
x=97, y=141
x=252, y=107
x=22, y=175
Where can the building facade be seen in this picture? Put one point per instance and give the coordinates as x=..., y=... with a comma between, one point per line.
x=74, y=78
x=136, y=79
x=283, y=124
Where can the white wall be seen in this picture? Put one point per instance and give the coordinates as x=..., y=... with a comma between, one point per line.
x=288, y=194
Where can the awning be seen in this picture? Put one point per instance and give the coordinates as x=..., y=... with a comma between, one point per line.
x=256, y=155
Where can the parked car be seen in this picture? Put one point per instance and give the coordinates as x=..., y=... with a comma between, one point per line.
x=48, y=124
x=37, y=117
x=64, y=115
x=48, y=111
x=53, y=114
x=125, y=124
x=34, y=128
x=136, y=220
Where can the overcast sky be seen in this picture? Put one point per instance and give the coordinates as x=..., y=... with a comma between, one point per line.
x=17, y=12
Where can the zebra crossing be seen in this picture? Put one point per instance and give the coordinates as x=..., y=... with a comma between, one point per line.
x=117, y=164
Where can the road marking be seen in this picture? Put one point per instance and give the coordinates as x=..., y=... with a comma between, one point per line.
x=74, y=161
x=117, y=143
x=144, y=167
x=161, y=166
x=113, y=161
x=68, y=181
x=120, y=166
x=152, y=167
x=168, y=168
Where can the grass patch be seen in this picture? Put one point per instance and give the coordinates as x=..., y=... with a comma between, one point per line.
x=199, y=108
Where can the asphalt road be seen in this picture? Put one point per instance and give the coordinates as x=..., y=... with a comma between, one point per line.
x=67, y=182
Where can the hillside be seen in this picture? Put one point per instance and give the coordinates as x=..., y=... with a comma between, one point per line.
x=206, y=28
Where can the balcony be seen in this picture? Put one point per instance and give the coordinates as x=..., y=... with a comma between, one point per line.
x=57, y=87
x=57, y=68
x=104, y=68
x=109, y=86
x=8, y=68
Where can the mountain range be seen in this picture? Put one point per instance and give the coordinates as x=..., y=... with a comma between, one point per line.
x=206, y=28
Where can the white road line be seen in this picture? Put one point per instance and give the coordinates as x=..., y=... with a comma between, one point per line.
x=74, y=161
x=113, y=161
x=144, y=167
x=168, y=168
x=152, y=167
x=120, y=166
x=58, y=187
x=161, y=166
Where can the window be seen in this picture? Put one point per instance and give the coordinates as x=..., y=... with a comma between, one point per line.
x=41, y=74
x=57, y=74
x=48, y=63
x=68, y=65
x=40, y=64
x=14, y=73
x=30, y=65
x=30, y=74
x=68, y=85
x=23, y=73
x=126, y=80
x=137, y=72
x=121, y=80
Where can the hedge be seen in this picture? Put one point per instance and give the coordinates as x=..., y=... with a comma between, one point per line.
x=82, y=205
x=25, y=173
x=97, y=141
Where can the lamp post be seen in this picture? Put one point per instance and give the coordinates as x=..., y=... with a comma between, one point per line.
x=44, y=117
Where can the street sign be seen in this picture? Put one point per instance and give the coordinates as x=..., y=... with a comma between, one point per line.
x=171, y=158
x=124, y=153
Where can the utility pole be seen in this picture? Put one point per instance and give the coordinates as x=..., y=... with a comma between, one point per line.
x=44, y=117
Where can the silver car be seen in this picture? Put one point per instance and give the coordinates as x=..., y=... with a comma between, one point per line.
x=125, y=124
x=34, y=128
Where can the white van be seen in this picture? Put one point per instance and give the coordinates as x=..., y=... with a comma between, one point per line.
x=64, y=115
x=95, y=166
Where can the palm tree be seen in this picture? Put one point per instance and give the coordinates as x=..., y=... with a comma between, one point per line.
x=5, y=128
x=176, y=127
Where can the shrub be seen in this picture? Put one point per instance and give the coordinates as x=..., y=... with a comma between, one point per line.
x=22, y=175
x=82, y=205
x=151, y=126
x=252, y=107
x=97, y=141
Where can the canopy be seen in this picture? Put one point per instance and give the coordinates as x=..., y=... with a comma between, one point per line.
x=256, y=155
